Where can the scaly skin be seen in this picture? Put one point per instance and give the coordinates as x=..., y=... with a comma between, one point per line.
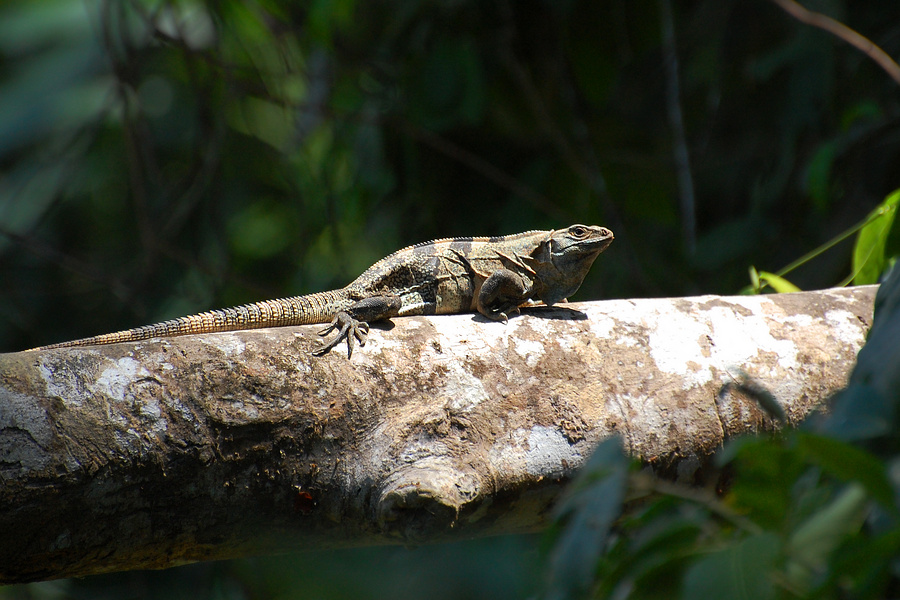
x=491, y=275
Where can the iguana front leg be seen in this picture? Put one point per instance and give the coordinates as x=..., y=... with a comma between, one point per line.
x=502, y=293
x=354, y=322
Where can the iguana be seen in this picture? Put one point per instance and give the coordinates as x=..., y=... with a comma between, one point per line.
x=491, y=275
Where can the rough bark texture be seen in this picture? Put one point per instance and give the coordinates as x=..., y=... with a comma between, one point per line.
x=148, y=454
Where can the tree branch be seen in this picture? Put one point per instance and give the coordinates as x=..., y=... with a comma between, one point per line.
x=839, y=30
x=149, y=454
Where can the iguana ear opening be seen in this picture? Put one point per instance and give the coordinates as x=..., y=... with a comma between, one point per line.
x=544, y=253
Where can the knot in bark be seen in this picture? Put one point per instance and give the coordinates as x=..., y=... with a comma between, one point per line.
x=424, y=499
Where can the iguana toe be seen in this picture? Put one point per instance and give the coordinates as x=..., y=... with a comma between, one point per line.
x=348, y=328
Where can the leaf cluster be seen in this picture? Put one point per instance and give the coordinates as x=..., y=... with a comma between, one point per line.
x=874, y=253
x=812, y=513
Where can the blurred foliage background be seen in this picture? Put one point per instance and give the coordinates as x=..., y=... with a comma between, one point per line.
x=163, y=157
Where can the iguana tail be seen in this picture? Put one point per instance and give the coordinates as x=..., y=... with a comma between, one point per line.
x=298, y=310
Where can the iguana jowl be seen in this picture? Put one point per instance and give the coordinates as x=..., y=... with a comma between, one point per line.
x=491, y=275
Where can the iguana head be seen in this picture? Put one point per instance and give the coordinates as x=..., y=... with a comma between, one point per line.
x=565, y=257
x=579, y=240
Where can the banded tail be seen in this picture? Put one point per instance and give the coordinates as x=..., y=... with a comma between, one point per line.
x=320, y=307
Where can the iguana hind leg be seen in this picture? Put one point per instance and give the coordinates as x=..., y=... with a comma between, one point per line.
x=354, y=322
x=501, y=294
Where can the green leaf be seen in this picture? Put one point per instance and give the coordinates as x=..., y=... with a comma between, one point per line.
x=659, y=554
x=765, y=472
x=868, y=255
x=860, y=412
x=779, y=284
x=593, y=502
x=813, y=542
x=743, y=570
x=862, y=567
x=654, y=544
x=849, y=463
x=754, y=279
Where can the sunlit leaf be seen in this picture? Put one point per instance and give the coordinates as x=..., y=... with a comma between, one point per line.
x=868, y=254
x=779, y=284
x=754, y=278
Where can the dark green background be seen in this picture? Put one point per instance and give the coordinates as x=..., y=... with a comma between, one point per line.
x=163, y=158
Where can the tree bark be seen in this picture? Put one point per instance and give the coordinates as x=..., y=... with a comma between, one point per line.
x=149, y=454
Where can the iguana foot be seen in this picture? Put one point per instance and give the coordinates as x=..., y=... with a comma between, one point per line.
x=354, y=321
x=502, y=313
x=347, y=328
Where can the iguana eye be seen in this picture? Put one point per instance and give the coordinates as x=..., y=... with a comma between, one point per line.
x=578, y=231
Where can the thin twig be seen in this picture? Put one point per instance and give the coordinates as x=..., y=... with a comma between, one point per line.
x=649, y=483
x=829, y=244
x=840, y=30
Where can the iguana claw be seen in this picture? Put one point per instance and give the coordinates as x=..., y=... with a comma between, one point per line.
x=502, y=313
x=346, y=325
